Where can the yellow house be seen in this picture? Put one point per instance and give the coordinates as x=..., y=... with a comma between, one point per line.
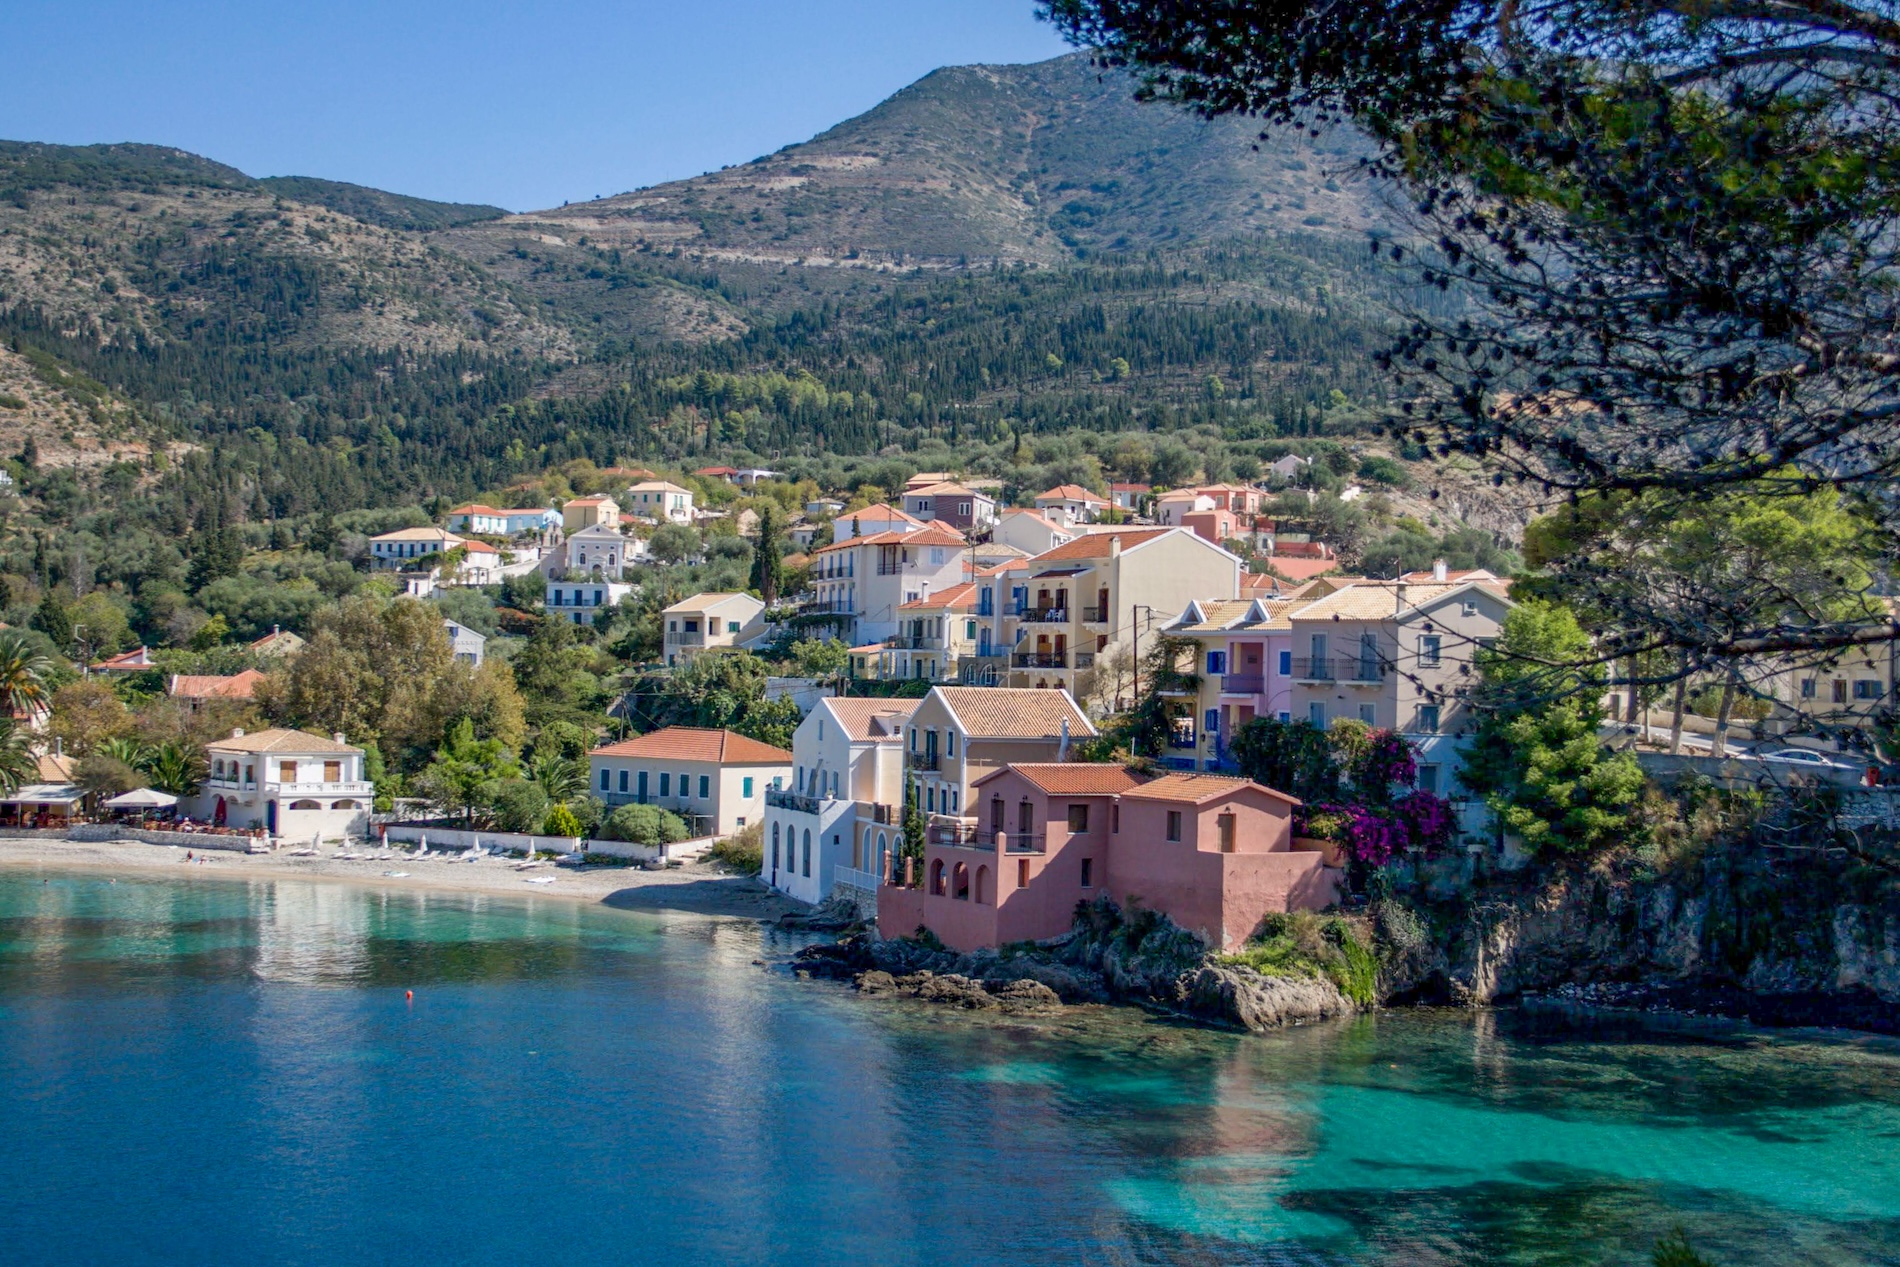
x=590, y=512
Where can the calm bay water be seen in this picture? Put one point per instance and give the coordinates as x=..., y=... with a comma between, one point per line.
x=216, y=1072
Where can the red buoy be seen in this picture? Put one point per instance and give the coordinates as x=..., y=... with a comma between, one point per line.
x=409, y=995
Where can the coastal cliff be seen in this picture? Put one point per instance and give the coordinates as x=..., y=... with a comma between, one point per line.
x=1785, y=940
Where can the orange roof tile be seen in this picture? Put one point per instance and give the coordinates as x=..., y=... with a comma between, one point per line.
x=876, y=720
x=1195, y=789
x=1015, y=712
x=957, y=596
x=1073, y=778
x=209, y=686
x=1094, y=545
x=1070, y=493
x=697, y=743
x=1293, y=568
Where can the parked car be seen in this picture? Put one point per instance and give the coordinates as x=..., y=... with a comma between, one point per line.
x=1806, y=757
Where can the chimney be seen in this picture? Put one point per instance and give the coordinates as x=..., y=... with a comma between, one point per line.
x=59, y=746
x=1062, y=749
x=1114, y=545
x=237, y=732
x=337, y=735
x=1439, y=571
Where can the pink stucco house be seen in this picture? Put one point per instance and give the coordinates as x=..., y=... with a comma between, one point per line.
x=1213, y=853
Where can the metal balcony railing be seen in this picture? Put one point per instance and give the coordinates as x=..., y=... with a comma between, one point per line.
x=1046, y=615
x=1362, y=671
x=1243, y=683
x=1094, y=615
x=1183, y=739
x=923, y=761
x=1085, y=659
x=1040, y=660
x=779, y=798
x=1318, y=669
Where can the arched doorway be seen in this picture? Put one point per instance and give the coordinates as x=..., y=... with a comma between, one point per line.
x=936, y=877
x=960, y=882
x=982, y=886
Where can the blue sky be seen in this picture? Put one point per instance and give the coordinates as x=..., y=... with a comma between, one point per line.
x=523, y=104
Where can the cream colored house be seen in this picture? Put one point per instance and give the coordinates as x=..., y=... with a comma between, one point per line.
x=841, y=816
x=292, y=784
x=960, y=733
x=661, y=500
x=590, y=512
x=709, y=621
x=1397, y=655
x=1032, y=532
x=716, y=780
x=1070, y=604
x=933, y=634
x=1071, y=504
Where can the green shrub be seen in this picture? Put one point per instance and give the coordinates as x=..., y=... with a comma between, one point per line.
x=1301, y=944
x=644, y=825
x=560, y=822
x=743, y=851
x=519, y=805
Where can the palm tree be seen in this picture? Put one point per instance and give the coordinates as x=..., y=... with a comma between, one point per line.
x=23, y=674
x=126, y=751
x=18, y=764
x=560, y=777
x=175, y=769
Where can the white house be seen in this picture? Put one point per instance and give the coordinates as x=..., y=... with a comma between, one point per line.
x=1071, y=504
x=1032, y=532
x=581, y=600
x=602, y=551
x=293, y=784
x=839, y=818
x=869, y=577
x=465, y=642
x=747, y=476
x=1171, y=506
x=824, y=507
x=401, y=548
x=709, y=621
x=480, y=565
x=661, y=500
x=714, y=779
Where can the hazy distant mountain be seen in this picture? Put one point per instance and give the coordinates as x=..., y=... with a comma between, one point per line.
x=978, y=163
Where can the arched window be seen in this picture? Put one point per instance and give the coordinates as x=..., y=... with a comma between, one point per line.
x=883, y=853
x=306, y=804
x=936, y=877
x=982, y=886
x=217, y=769
x=344, y=805
x=805, y=854
x=960, y=882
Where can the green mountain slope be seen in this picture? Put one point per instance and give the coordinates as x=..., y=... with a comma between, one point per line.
x=374, y=206
x=974, y=164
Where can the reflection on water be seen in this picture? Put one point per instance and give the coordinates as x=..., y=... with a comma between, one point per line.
x=237, y=1063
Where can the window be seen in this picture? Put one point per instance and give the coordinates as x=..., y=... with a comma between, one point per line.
x=930, y=799
x=1226, y=822
x=1115, y=817
x=1088, y=873
x=1471, y=609
x=705, y=786
x=732, y=626
x=1079, y=816
x=603, y=780
x=1840, y=690
x=949, y=743
x=746, y=788
x=963, y=508
x=1174, y=824
x=1867, y=688
x=1285, y=715
x=623, y=779
x=1428, y=719
x=1212, y=723
x=805, y=854
x=1428, y=651
x=1022, y=873
x=1807, y=688
x=1316, y=713
x=1369, y=714
x=333, y=772
x=1217, y=662
x=1428, y=779
x=666, y=783
x=642, y=792
x=1286, y=664
x=286, y=771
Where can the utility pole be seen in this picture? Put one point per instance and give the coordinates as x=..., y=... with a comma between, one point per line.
x=1135, y=626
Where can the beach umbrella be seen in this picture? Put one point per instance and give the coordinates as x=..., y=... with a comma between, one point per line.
x=142, y=798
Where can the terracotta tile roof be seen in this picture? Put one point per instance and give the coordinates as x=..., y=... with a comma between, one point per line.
x=872, y=720
x=948, y=488
x=959, y=597
x=1293, y=568
x=588, y=501
x=207, y=686
x=1239, y=614
x=126, y=661
x=717, y=470
x=56, y=767
x=658, y=486
x=935, y=535
x=419, y=534
x=1094, y=545
x=476, y=508
x=1071, y=493
x=707, y=602
x=1382, y=600
x=277, y=740
x=1037, y=515
x=695, y=743
x=1130, y=488
x=1015, y=712
x=1196, y=789
x=1073, y=778
x=1455, y=574
x=883, y=510
x=480, y=547
x=276, y=636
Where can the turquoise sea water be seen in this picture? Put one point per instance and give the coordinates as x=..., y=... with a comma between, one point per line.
x=205, y=1071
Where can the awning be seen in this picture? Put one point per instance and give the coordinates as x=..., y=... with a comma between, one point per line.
x=142, y=798
x=45, y=794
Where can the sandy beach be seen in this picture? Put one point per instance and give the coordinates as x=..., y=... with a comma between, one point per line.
x=696, y=888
